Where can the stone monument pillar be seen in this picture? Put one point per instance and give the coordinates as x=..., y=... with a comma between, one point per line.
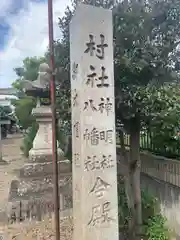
x=95, y=206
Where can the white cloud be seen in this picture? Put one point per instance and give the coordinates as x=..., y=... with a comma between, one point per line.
x=4, y=5
x=28, y=36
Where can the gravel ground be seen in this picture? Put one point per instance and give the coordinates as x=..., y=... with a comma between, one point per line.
x=29, y=230
x=14, y=160
x=37, y=230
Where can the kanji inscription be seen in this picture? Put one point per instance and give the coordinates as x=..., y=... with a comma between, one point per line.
x=100, y=187
x=93, y=79
x=95, y=136
x=105, y=105
x=74, y=70
x=98, y=48
x=100, y=214
x=75, y=98
x=94, y=166
x=77, y=129
x=93, y=163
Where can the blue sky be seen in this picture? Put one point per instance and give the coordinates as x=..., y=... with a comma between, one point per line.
x=24, y=32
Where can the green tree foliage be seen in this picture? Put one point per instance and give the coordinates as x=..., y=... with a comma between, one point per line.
x=154, y=224
x=165, y=126
x=146, y=60
x=4, y=111
x=146, y=65
x=25, y=104
x=23, y=109
x=7, y=109
x=29, y=138
x=30, y=67
x=28, y=71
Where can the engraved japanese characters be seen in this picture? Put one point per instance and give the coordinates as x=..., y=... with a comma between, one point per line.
x=93, y=123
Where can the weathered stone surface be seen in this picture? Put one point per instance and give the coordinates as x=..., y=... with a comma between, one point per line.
x=3, y=162
x=31, y=209
x=33, y=199
x=38, y=188
x=95, y=207
x=39, y=230
x=42, y=144
x=32, y=193
x=44, y=155
x=31, y=170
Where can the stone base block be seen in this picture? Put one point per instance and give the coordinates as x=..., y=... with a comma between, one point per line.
x=34, y=209
x=38, y=188
x=41, y=170
x=34, y=199
x=44, y=155
x=3, y=162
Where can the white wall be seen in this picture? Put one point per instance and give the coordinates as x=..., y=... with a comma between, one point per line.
x=6, y=100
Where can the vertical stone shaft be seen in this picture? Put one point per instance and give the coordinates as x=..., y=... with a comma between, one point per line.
x=93, y=125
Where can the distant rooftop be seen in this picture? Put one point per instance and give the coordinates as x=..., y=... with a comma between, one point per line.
x=8, y=97
x=8, y=91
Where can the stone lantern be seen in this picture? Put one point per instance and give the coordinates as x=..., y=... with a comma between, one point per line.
x=35, y=185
